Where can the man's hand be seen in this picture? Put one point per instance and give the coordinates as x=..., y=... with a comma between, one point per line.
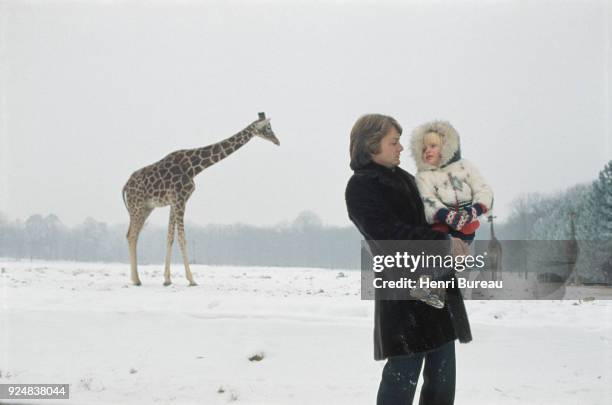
x=459, y=247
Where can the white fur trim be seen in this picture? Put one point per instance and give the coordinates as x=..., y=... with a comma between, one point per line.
x=449, y=148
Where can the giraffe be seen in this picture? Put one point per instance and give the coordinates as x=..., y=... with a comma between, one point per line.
x=495, y=251
x=572, y=249
x=494, y=261
x=170, y=182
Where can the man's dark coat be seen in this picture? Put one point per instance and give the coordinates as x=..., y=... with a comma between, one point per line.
x=385, y=204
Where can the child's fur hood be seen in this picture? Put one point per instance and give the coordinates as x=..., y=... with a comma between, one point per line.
x=451, y=149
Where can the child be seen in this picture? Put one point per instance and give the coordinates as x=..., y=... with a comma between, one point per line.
x=453, y=191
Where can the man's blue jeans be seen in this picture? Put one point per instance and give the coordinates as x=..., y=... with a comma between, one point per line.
x=401, y=374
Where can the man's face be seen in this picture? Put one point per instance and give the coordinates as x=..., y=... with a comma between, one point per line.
x=390, y=149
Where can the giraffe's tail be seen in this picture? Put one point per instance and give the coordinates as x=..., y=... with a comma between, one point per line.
x=127, y=235
x=123, y=195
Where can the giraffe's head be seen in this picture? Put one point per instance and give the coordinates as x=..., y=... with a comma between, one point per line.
x=263, y=129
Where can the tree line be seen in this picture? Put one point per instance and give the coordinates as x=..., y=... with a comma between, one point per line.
x=305, y=242
x=538, y=216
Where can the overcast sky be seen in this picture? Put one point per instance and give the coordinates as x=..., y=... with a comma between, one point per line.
x=93, y=90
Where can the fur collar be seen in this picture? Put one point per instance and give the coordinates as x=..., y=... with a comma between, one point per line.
x=394, y=177
x=451, y=149
x=398, y=179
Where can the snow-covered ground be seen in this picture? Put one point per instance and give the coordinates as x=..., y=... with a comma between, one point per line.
x=84, y=324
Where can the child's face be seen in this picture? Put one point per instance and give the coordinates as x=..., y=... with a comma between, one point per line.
x=431, y=150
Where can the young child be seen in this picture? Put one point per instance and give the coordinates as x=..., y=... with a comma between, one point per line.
x=453, y=191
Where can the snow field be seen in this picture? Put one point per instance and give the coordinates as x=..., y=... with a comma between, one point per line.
x=86, y=325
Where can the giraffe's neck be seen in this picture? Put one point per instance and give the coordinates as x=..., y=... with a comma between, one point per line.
x=211, y=154
x=492, y=231
x=572, y=229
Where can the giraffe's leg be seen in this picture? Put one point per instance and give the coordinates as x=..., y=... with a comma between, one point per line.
x=180, y=227
x=170, y=240
x=137, y=220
